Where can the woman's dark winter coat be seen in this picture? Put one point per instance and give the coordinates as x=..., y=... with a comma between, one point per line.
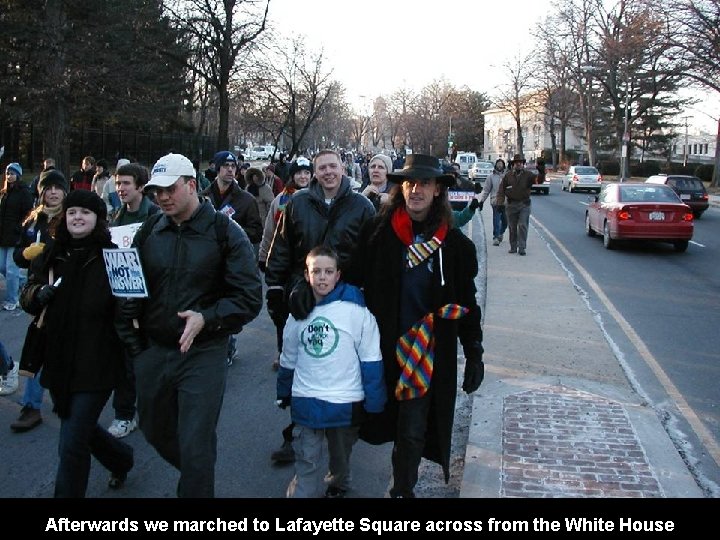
x=377, y=266
x=16, y=201
x=83, y=350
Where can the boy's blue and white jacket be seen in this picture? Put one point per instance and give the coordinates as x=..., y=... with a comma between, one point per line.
x=332, y=360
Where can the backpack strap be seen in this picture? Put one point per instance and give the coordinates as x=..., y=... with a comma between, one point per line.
x=147, y=227
x=221, y=227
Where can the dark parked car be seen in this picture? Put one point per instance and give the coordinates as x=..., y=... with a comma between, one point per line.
x=690, y=189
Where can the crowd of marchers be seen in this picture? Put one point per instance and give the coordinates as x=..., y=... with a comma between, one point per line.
x=369, y=283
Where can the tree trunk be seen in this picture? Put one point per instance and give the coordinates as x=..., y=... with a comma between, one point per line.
x=55, y=117
x=716, y=170
x=223, y=141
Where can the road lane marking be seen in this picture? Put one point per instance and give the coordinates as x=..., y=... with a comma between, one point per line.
x=705, y=436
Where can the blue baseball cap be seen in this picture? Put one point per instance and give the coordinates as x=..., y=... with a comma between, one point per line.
x=223, y=157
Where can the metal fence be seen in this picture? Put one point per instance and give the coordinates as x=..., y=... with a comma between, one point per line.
x=23, y=143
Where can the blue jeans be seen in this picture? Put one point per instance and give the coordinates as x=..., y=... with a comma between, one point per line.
x=179, y=397
x=10, y=270
x=33, y=395
x=80, y=437
x=499, y=220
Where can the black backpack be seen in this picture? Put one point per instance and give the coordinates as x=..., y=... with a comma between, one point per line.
x=222, y=222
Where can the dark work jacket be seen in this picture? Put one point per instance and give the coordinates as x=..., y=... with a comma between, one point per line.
x=377, y=265
x=515, y=187
x=15, y=203
x=186, y=268
x=246, y=212
x=308, y=222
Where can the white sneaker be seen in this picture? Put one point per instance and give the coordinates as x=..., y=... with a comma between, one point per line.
x=9, y=383
x=9, y=306
x=122, y=428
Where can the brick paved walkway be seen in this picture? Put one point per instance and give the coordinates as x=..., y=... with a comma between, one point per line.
x=560, y=442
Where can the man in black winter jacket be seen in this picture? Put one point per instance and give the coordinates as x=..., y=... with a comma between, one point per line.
x=327, y=212
x=201, y=291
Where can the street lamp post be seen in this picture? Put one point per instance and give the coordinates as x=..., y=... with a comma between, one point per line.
x=626, y=135
x=685, y=150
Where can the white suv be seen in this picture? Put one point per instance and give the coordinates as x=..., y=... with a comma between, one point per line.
x=260, y=152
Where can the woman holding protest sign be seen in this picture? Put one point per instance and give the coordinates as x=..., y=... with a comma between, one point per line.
x=83, y=354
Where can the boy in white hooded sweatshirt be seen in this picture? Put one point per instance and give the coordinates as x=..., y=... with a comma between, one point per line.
x=331, y=373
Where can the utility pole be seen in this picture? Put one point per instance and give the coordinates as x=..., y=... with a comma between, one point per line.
x=626, y=135
x=685, y=150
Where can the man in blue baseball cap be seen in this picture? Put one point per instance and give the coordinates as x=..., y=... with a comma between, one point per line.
x=229, y=198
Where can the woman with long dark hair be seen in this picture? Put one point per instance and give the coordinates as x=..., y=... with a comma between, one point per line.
x=83, y=354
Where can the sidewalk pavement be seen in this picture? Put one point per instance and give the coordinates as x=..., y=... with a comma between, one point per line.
x=714, y=200
x=555, y=415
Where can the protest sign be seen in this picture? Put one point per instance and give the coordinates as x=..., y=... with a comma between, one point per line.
x=125, y=272
x=122, y=236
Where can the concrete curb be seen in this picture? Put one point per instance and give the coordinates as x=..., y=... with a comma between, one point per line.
x=573, y=364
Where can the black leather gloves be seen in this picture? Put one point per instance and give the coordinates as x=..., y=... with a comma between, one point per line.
x=131, y=308
x=301, y=301
x=475, y=204
x=474, y=374
x=275, y=301
x=45, y=295
x=283, y=402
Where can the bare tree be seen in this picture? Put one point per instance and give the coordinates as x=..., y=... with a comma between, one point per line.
x=218, y=32
x=294, y=98
x=567, y=73
x=641, y=75
x=516, y=96
x=697, y=37
x=428, y=121
x=398, y=111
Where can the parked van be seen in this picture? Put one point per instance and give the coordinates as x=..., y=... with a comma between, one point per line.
x=465, y=160
x=260, y=152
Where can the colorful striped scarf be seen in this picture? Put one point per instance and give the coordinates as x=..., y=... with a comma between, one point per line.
x=415, y=353
x=417, y=252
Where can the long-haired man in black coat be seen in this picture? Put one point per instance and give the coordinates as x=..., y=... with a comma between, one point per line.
x=418, y=274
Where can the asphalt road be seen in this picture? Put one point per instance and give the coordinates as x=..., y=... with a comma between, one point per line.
x=661, y=311
x=249, y=430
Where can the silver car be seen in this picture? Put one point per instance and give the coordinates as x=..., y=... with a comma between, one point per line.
x=480, y=170
x=582, y=177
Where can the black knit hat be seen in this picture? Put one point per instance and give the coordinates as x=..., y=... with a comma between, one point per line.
x=86, y=199
x=300, y=164
x=52, y=177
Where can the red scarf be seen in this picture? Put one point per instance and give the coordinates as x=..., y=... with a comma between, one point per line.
x=417, y=251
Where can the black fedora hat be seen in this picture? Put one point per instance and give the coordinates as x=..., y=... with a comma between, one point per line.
x=517, y=157
x=421, y=166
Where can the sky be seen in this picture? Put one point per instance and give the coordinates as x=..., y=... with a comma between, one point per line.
x=379, y=46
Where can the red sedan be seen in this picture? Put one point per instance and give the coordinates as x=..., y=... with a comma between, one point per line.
x=635, y=211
